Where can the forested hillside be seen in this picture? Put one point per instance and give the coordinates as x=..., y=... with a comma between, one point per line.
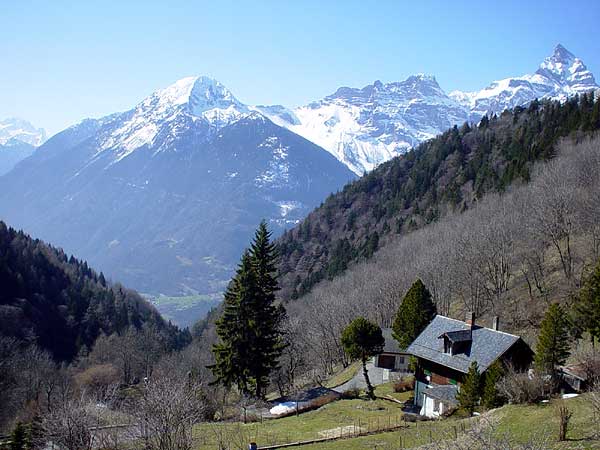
x=61, y=304
x=509, y=255
x=447, y=174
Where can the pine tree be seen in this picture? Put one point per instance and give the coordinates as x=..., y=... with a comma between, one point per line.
x=268, y=343
x=363, y=339
x=552, y=347
x=587, y=305
x=469, y=393
x=249, y=327
x=414, y=314
x=491, y=398
x=233, y=352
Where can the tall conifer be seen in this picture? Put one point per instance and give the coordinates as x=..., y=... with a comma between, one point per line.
x=552, y=348
x=249, y=328
x=414, y=314
x=470, y=391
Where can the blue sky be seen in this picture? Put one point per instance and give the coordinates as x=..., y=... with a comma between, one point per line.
x=66, y=60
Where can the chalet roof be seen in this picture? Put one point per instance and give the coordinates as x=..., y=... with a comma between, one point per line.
x=391, y=344
x=446, y=393
x=486, y=347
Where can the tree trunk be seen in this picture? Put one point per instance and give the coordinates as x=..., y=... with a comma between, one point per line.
x=370, y=391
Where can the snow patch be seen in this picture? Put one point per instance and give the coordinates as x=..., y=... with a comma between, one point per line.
x=283, y=408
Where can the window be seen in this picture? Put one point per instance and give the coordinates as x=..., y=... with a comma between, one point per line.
x=400, y=359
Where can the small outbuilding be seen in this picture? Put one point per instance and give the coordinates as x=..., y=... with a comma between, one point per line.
x=392, y=358
x=575, y=377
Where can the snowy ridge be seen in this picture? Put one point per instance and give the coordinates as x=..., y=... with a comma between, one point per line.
x=558, y=77
x=365, y=127
x=361, y=127
x=21, y=130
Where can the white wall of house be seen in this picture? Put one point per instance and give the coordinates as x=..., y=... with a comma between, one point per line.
x=431, y=407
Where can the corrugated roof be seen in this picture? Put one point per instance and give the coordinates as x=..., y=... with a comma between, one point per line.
x=486, y=347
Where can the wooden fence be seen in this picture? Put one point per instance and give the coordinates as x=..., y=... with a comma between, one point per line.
x=356, y=429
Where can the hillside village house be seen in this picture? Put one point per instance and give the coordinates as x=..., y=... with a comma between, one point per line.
x=445, y=351
x=392, y=359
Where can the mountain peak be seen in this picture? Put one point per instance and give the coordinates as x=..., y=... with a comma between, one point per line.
x=17, y=129
x=562, y=54
x=200, y=93
x=565, y=69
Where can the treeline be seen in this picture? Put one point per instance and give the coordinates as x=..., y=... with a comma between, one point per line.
x=60, y=304
x=510, y=255
x=446, y=174
x=70, y=339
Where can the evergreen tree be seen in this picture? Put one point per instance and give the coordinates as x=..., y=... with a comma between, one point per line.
x=268, y=342
x=20, y=438
x=469, y=393
x=249, y=327
x=587, y=305
x=232, y=358
x=552, y=347
x=363, y=339
x=416, y=311
x=491, y=398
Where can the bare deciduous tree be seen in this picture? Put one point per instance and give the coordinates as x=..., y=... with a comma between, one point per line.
x=166, y=411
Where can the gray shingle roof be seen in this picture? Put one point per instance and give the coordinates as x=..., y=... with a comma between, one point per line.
x=446, y=393
x=391, y=344
x=486, y=347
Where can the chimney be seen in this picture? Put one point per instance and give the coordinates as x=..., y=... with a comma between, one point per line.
x=496, y=323
x=470, y=319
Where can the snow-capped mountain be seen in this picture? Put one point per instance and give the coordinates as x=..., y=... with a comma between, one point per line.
x=365, y=127
x=14, y=129
x=164, y=197
x=559, y=76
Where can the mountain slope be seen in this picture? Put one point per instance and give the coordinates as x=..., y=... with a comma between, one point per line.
x=60, y=303
x=368, y=126
x=164, y=197
x=12, y=152
x=447, y=173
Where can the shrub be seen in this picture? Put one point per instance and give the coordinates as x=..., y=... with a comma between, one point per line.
x=97, y=380
x=564, y=417
x=404, y=385
x=352, y=393
x=521, y=387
